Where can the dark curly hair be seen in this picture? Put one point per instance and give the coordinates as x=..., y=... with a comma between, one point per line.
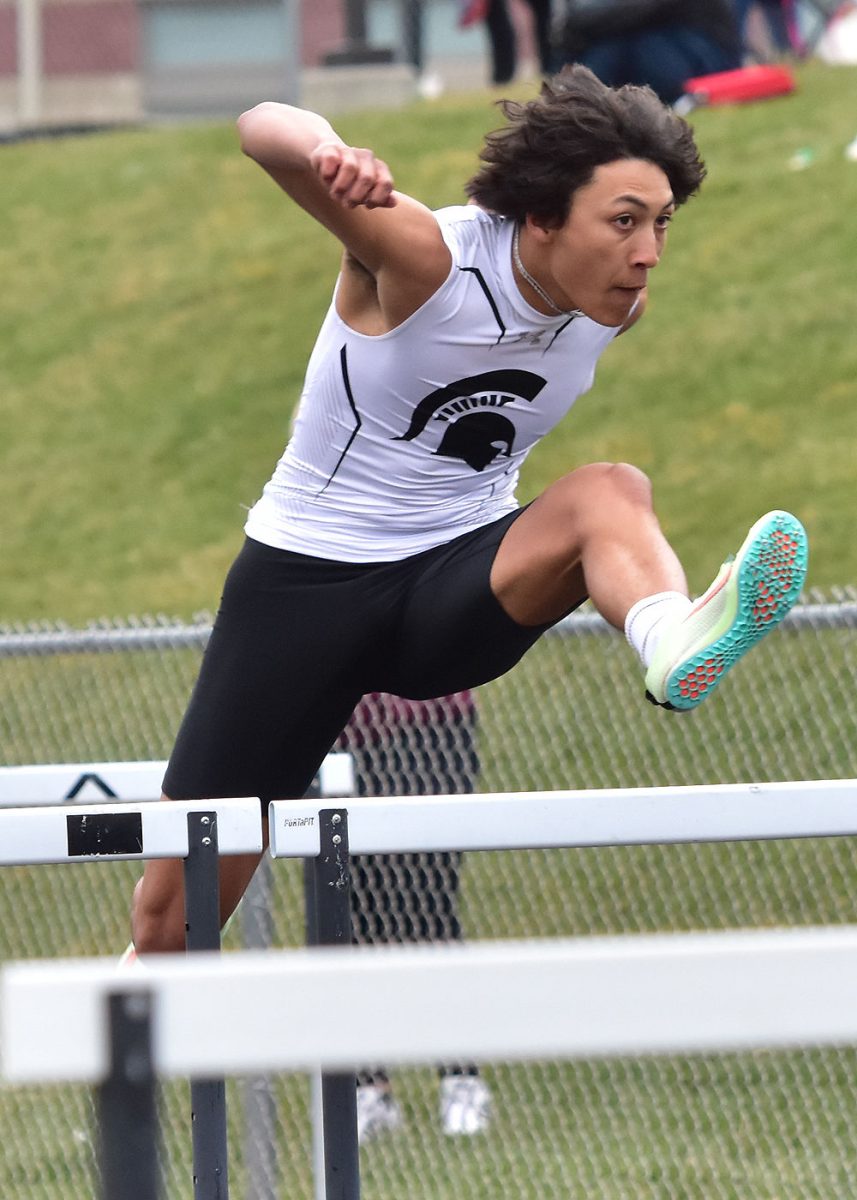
x=552, y=145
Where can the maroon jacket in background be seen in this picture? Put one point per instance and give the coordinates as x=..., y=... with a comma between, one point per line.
x=380, y=714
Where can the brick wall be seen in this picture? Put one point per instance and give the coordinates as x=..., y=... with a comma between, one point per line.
x=8, y=38
x=80, y=37
x=323, y=30
x=90, y=36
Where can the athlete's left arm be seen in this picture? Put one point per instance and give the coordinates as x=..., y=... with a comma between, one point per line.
x=636, y=312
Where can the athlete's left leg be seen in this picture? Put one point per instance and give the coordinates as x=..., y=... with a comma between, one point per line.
x=595, y=533
x=478, y=603
x=592, y=533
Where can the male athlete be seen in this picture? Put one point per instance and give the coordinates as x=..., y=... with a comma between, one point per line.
x=388, y=553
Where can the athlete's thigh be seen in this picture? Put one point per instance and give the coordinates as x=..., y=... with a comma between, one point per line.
x=455, y=634
x=279, y=679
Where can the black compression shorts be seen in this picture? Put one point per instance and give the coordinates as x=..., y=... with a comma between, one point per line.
x=298, y=640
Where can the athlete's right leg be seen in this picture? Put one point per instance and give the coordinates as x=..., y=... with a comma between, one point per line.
x=158, y=909
x=279, y=679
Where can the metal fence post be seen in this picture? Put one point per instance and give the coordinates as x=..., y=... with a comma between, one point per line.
x=260, y=1109
x=30, y=68
x=315, y=1101
x=293, y=44
x=208, y=1097
x=332, y=919
x=126, y=1103
x=315, y=1082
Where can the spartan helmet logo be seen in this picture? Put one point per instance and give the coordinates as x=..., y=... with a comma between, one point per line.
x=478, y=438
x=477, y=433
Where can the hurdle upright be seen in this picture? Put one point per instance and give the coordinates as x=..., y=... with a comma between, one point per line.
x=197, y=832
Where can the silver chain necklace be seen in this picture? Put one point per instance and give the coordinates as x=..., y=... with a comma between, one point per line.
x=537, y=287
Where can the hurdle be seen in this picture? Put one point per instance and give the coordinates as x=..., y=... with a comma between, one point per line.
x=198, y=832
x=592, y=997
x=526, y=821
x=134, y=782
x=325, y=836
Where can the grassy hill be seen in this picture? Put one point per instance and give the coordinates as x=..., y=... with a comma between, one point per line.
x=159, y=301
x=160, y=298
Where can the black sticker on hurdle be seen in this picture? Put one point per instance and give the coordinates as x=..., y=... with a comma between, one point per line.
x=104, y=833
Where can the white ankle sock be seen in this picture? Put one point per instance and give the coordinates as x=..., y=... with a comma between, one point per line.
x=650, y=617
x=129, y=958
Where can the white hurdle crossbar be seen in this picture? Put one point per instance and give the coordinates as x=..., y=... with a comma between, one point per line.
x=554, y=819
x=80, y=783
x=339, y=1008
x=91, y=782
x=90, y=833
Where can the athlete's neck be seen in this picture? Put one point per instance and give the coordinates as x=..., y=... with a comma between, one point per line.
x=547, y=302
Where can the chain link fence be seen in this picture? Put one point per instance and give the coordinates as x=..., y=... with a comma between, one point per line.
x=774, y=1126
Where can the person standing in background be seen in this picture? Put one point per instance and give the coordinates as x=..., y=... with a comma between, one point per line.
x=400, y=748
x=655, y=43
x=502, y=37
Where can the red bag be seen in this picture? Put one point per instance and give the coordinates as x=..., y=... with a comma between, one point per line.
x=470, y=12
x=736, y=87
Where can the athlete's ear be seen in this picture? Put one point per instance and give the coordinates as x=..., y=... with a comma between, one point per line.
x=537, y=230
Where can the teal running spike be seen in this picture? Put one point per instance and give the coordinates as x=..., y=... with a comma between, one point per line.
x=750, y=596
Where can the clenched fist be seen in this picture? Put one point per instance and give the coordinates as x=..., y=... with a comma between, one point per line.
x=353, y=176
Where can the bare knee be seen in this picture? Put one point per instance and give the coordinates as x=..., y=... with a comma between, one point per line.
x=600, y=495
x=619, y=483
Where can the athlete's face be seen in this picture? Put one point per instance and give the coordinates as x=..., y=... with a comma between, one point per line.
x=599, y=260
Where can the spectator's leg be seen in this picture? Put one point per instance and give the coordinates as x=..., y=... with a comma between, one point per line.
x=610, y=60
x=666, y=58
x=542, y=11
x=778, y=26
x=501, y=38
x=742, y=12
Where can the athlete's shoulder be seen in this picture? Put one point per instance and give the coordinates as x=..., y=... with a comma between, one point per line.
x=468, y=217
x=465, y=225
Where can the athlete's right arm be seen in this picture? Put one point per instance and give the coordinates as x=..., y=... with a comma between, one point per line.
x=350, y=191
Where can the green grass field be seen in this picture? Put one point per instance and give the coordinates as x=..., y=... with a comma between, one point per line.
x=161, y=298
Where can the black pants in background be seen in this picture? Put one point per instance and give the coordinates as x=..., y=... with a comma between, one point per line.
x=503, y=42
x=411, y=897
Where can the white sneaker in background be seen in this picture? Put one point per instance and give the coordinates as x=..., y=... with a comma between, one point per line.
x=465, y=1105
x=377, y=1112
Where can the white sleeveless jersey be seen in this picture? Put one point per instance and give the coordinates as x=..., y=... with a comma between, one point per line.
x=405, y=440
